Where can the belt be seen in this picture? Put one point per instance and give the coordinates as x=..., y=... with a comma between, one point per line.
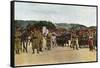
x=34, y=37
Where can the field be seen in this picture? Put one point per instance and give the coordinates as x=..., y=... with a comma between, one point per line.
x=55, y=55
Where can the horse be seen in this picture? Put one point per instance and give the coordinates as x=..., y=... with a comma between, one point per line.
x=24, y=41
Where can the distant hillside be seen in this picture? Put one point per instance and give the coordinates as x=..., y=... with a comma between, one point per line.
x=39, y=24
x=70, y=26
x=23, y=24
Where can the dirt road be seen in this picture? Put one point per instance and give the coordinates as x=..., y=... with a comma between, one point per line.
x=55, y=55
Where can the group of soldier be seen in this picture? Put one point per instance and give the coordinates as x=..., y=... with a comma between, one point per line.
x=40, y=41
x=35, y=38
x=25, y=38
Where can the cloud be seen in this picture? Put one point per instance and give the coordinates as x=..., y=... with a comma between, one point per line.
x=56, y=13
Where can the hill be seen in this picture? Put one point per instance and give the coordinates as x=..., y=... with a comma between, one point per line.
x=24, y=23
x=70, y=26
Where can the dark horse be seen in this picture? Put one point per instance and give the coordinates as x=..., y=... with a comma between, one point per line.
x=63, y=39
x=24, y=40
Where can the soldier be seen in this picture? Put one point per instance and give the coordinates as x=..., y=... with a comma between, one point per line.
x=48, y=41
x=74, y=41
x=94, y=40
x=40, y=37
x=17, y=41
x=90, y=42
x=35, y=41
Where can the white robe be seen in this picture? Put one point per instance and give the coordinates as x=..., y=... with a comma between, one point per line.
x=44, y=43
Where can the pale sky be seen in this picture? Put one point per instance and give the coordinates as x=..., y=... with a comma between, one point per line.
x=56, y=13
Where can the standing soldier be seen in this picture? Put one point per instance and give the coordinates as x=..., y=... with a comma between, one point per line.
x=40, y=37
x=90, y=42
x=17, y=41
x=35, y=41
x=94, y=40
x=74, y=41
x=48, y=41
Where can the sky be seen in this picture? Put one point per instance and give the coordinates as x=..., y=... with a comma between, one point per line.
x=56, y=13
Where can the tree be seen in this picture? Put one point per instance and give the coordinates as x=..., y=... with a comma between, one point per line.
x=48, y=24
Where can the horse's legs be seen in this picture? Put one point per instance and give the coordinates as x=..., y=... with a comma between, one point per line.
x=23, y=43
x=26, y=45
x=77, y=44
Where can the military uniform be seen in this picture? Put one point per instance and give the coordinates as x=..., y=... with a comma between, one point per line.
x=40, y=37
x=74, y=42
x=17, y=42
x=90, y=43
x=48, y=41
x=35, y=41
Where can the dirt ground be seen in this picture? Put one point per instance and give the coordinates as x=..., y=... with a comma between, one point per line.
x=55, y=55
